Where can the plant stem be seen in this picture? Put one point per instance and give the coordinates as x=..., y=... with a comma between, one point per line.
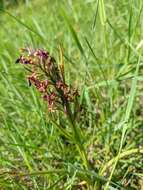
x=77, y=137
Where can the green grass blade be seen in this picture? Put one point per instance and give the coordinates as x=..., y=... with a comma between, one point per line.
x=73, y=32
x=22, y=23
x=95, y=17
x=131, y=99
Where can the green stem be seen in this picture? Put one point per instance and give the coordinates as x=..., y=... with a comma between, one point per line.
x=77, y=136
x=18, y=174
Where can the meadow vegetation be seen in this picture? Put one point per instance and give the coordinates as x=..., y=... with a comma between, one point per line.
x=100, y=44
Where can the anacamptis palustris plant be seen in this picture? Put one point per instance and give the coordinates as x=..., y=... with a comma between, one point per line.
x=48, y=78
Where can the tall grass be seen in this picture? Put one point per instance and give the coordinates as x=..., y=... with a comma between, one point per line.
x=102, y=49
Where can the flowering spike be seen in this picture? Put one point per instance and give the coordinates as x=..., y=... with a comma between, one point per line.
x=47, y=78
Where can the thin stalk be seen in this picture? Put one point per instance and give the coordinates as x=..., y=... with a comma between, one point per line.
x=79, y=144
x=35, y=173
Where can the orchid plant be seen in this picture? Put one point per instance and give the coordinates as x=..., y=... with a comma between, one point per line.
x=49, y=79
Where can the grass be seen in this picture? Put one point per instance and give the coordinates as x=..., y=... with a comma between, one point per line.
x=102, y=46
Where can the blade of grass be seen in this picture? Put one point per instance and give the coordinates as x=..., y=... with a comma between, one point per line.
x=102, y=13
x=95, y=17
x=126, y=119
x=130, y=32
x=34, y=173
x=122, y=155
x=74, y=34
x=56, y=182
x=22, y=23
x=95, y=57
x=103, y=19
